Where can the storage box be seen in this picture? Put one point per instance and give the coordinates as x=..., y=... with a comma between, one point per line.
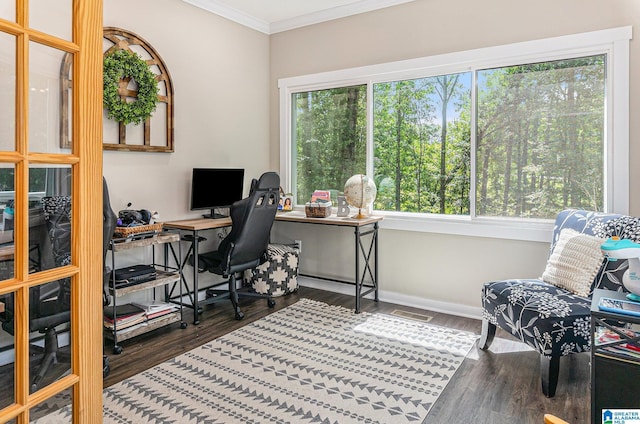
x=317, y=209
x=137, y=230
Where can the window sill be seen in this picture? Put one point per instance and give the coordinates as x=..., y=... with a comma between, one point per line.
x=500, y=228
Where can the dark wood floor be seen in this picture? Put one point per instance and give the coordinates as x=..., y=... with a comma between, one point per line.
x=499, y=386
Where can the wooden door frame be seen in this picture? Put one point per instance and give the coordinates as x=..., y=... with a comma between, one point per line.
x=85, y=159
x=87, y=189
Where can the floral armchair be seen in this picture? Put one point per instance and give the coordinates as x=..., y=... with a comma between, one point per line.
x=552, y=320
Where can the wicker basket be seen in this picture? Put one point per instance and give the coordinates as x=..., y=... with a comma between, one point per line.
x=317, y=209
x=132, y=231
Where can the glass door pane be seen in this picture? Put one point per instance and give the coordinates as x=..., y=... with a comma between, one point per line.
x=8, y=90
x=56, y=409
x=50, y=323
x=45, y=111
x=7, y=355
x=7, y=205
x=50, y=216
x=52, y=17
x=8, y=10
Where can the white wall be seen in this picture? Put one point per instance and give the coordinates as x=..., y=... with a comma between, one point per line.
x=220, y=73
x=425, y=268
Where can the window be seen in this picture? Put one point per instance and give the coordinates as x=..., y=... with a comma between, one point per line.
x=484, y=138
x=540, y=136
x=330, y=138
x=421, y=144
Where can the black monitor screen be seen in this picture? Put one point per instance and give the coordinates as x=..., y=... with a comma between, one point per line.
x=215, y=187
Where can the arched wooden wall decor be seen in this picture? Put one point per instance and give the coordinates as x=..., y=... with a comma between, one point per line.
x=65, y=95
x=119, y=39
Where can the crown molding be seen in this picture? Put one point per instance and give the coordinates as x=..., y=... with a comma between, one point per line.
x=243, y=18
x=221, y=9
x=333, y=13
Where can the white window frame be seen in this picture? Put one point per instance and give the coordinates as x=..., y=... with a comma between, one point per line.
x=612, y=42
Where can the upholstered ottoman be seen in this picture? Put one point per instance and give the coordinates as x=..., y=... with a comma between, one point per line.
x=278, y=275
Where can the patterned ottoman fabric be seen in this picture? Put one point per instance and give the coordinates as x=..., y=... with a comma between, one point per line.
x=278, y=275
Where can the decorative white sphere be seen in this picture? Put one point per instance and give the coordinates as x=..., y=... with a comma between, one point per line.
x=360, y=191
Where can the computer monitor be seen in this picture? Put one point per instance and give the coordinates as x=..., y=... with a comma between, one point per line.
x=213, y=188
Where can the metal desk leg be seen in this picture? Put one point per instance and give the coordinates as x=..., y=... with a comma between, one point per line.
x=196, y=311
x=373, y=274
x=183, y=262
x=375, y=258
x=357, y=280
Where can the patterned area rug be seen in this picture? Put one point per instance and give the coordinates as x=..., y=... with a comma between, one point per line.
x=307, y=363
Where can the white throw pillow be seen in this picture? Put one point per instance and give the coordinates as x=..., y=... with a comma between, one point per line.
x=574, y=262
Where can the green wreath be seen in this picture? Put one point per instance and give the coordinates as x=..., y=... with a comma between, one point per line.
x=121, y=64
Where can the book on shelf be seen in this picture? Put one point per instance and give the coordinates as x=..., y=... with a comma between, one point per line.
x=153, y=305
x=159, y=314
x=122, y=311
x=626, y=344
x=154, y=309
x=620, y=351
x=126, y=315
x=123, y=323
x=619, y=306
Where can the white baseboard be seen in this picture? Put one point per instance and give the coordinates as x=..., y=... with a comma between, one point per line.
x=397, y=298
x=8, y=356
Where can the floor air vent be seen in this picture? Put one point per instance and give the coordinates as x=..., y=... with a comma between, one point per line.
x=411, y=315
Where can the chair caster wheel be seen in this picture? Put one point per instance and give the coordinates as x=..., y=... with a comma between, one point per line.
x=183, y=325
x=239, y=315
x=271, y=303
x=106, y=367
x=117, y=350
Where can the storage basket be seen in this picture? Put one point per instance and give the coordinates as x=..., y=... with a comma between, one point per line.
x=317, y=209
x=132, y=231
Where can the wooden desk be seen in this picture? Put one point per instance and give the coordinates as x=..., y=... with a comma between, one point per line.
x=198, y=224
x=194, y=226
x=370, y=268
x=360, y=247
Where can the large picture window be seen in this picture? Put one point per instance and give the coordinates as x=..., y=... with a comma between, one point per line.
x=422, y=144
x=330, y=138
x=483, y=135
x=540, y=137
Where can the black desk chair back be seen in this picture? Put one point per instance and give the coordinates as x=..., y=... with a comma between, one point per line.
x=246, y=245
x=49, y=304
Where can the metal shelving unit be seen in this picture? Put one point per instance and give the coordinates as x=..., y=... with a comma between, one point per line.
x=165, y=276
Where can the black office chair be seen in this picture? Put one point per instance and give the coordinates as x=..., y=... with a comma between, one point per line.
x=109, y=222
x=246, y=245
x=49, y=304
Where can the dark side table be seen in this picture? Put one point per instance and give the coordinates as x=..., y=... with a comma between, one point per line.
x=615, y=369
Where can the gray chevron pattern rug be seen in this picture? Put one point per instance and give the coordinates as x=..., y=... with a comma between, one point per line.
x=307, y=363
